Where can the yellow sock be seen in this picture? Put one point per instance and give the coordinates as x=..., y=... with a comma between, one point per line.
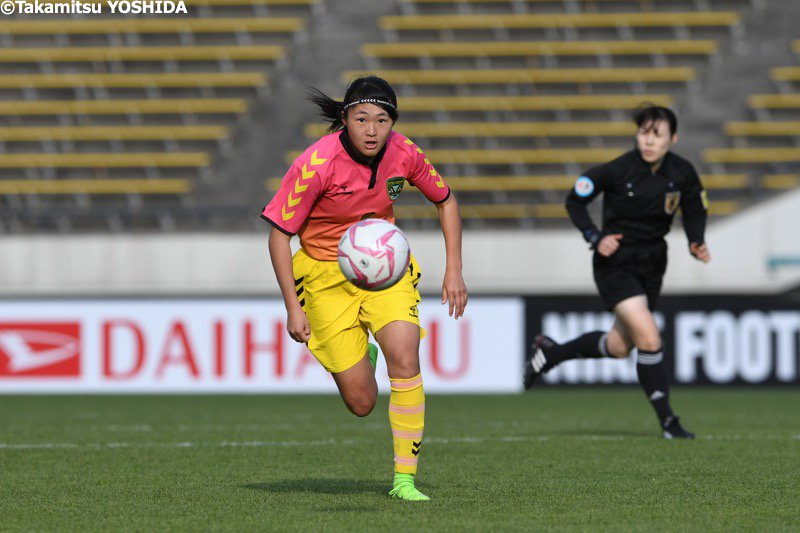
x=407, y=418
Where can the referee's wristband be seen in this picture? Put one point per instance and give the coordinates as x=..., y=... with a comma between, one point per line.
x=592, y=236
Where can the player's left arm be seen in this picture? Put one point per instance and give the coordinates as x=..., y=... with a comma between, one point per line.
x=694, y=206
x=454, y=289
x=424, y=177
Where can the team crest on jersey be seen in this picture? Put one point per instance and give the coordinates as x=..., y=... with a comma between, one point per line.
x=394, y=186
x=671, y=202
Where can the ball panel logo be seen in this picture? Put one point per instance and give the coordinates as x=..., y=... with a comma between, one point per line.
x=46, y=349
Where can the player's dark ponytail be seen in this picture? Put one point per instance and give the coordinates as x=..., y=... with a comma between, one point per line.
x=368, y=89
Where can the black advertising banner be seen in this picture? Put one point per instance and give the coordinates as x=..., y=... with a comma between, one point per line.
x=708, y=339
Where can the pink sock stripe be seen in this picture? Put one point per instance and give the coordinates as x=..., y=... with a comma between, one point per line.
x=407, y=461
x=401, y=434
x=407, y=409
x=406, y=384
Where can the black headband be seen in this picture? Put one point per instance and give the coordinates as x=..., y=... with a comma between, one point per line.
x=369, y=101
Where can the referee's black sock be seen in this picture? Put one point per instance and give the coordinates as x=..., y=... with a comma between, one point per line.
x=653, y=378
x=590, y=345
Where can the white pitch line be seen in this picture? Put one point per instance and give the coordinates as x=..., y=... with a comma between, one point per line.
x=346, y=442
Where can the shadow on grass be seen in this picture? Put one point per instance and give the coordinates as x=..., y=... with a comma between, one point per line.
x=322, y=486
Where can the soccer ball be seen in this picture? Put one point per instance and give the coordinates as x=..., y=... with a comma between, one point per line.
x=373, y=254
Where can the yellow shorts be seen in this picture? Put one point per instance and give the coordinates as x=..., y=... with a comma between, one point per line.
x=340, y=313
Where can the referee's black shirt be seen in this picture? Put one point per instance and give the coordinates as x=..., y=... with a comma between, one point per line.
x=638, y=203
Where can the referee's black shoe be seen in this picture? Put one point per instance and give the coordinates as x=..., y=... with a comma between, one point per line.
x=536, y=362
x=674, y=430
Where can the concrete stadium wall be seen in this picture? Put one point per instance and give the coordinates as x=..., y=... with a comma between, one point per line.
x=514, y=262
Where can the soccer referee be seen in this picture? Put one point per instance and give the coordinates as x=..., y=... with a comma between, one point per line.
x=642, y=191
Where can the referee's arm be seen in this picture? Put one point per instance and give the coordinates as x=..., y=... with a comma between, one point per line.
x=694, y=207
x=586, y=188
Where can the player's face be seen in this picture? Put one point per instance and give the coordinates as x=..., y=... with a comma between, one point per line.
x=368, y=126
x=654, y=140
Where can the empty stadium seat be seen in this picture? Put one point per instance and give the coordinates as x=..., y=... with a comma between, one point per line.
x=532, y=76
x=174, y=186
x=527, y=49
x=150, y=25
x=142, y=53
x=105, y=160
x=763, y=129
x=751, y=155
x=564, y=20
x=121, y=133
x=124, y=106
x=522, y=103
x=163, y=80
x=502, y=129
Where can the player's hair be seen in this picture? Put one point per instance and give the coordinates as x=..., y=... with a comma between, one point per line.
x=648, y=112
x=364, y=90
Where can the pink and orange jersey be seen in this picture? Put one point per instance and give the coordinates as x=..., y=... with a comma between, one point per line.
x=331, y=186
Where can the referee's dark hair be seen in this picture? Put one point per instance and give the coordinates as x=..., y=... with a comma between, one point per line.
x=649, y=113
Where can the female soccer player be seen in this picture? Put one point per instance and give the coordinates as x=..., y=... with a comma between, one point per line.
x=642, y=190
x=351, y=174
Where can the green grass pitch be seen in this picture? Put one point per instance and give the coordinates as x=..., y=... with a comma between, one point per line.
x=565, y=459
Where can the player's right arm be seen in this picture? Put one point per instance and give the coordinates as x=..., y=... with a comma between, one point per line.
x=280, y=254
x=287, y=212
x=587, y=187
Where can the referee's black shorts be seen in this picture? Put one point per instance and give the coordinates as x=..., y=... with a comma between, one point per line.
x=632, y=270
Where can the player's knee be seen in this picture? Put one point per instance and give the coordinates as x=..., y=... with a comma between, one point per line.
x=650, y=343
x=616, y=347
x=405, y=367
x=361, y=406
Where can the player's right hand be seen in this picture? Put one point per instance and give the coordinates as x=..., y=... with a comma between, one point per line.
x=609, y=244
x=297, y=325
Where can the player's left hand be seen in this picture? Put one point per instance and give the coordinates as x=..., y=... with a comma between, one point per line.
x=454, y=290
x=700, y=252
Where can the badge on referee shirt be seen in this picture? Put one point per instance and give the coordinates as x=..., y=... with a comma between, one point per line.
x=394, y=186
x=671, y=202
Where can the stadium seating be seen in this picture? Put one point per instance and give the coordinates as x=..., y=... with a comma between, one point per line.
x=111, y=81
x=502, y=129
x=121, y=133
x=124, y=106
x=98, y=26
x=531, y=76
x=527, y=103
x=561, y=20
x=89, y=54
x=165, y=186
x=105, y=160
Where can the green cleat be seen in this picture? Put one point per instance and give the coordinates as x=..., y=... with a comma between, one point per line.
x=372, y=351
x=404, y=489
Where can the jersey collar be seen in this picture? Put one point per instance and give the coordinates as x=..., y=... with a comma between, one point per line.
x=356, y=156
